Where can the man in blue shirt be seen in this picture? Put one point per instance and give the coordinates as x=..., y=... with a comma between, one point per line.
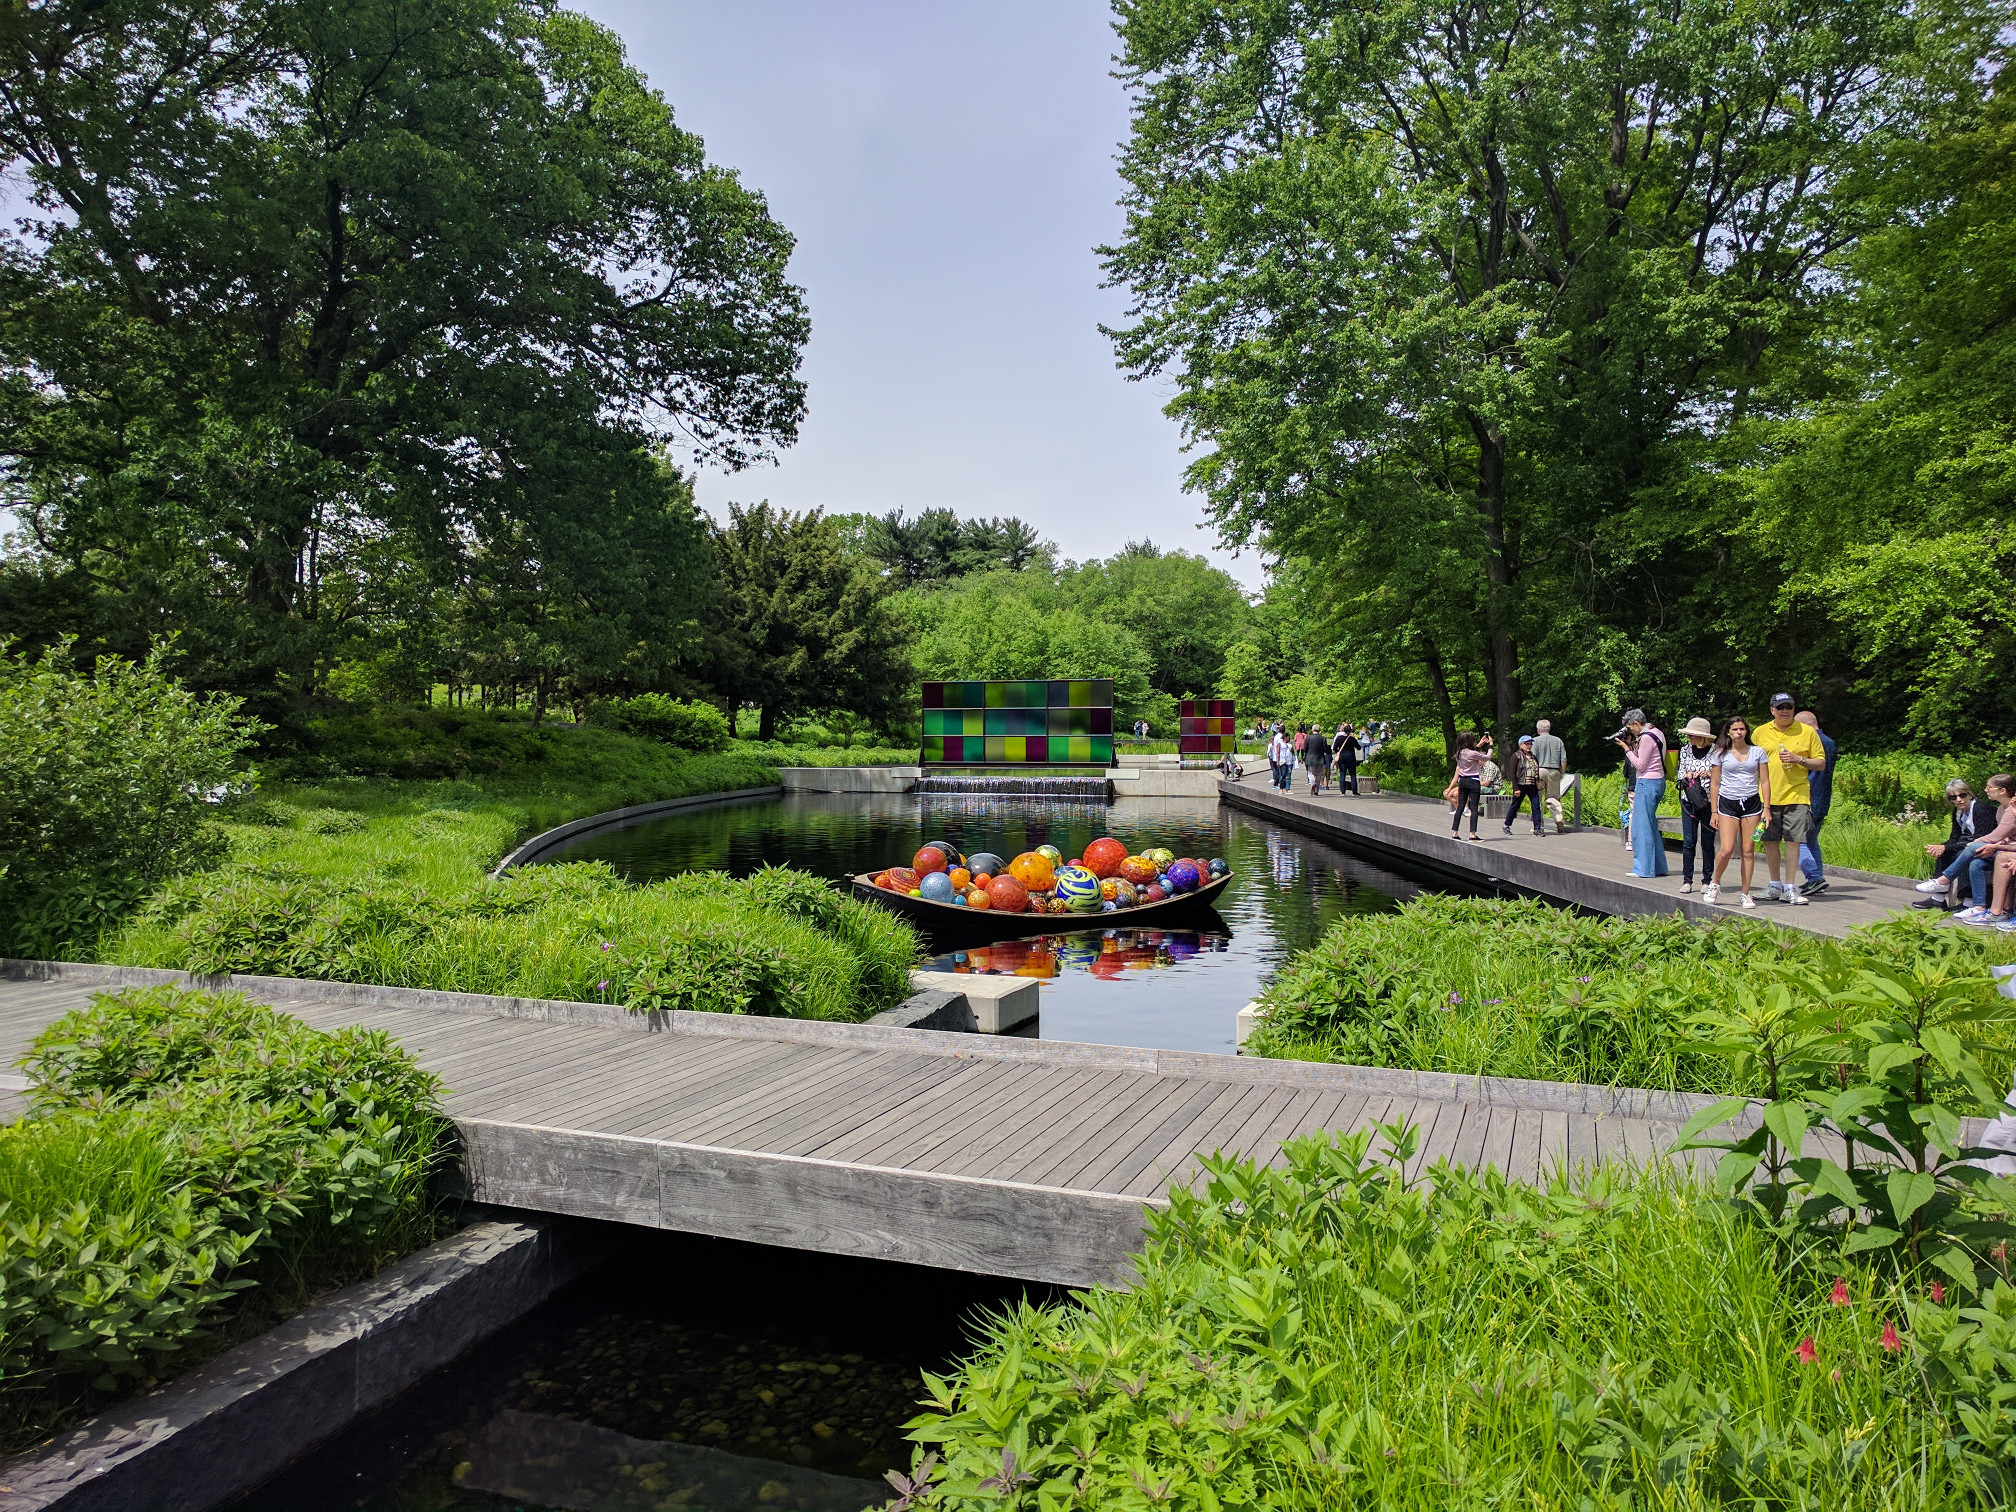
x=1821, y=785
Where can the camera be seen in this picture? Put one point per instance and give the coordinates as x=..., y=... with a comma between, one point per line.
x=1623, y=734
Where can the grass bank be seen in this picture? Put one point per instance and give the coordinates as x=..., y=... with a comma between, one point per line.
x=372, y=877
x=1519, y=988
x=1327, y=1336
x=195, y=1168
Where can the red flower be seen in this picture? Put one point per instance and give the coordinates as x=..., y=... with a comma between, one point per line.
x=1807, y=1352
x=1938, y=1295
x=1890, y=1341
x=1839, y=1296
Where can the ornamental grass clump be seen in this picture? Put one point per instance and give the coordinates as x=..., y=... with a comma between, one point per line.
x=1331, y=1334
x=194, y=1164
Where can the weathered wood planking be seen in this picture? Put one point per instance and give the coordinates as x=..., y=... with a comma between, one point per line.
x=1011, y=1157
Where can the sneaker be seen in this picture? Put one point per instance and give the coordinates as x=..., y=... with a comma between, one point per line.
x=1930, y=903
x=1793, y=896
x=1710, y=893
x=1686, y=887
x=1986, y=920
x=1508, y=832
x=2008, y=925
x=1970, y=915
x=1814, y=888
x=1774, y=892
x=1932, y=885
x=1746, y=901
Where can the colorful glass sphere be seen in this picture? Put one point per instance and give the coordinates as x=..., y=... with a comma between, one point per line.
x=984, y=861
x=1033, y=871
x=1139, y=870
x=1104, y=855
x=1079, y=890
x=1161, y=855
x=978, y=899
x=1220, y=867
x=1124, y=892
x=1051, y=854
x=1185, y=877
x=958, y=900
x=1154, y=892
x=948, y=850
x=929, y=861
x=936, y=887
x=1057, y=905
x=1107, y=905
x=1106, y=887
x=899, y=879
x=961, y=878
x=1006, y=895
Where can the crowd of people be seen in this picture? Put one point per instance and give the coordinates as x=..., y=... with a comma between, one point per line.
x=1320, y=755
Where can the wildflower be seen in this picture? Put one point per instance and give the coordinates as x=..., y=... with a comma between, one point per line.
x=1585, y=979
x=1492, y=1002
x=1839, y=1296
x=603, y=985
x=607, y=946
x=1890, y=1341
x=1938, y=1295
x=1455, y=999
x=1807, y=1351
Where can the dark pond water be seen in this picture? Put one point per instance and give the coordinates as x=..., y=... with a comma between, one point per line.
x=689, y=1374
x=1158, y=988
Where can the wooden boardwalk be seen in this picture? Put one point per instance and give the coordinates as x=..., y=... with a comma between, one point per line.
x=1587, y=867
x=1015, y=1157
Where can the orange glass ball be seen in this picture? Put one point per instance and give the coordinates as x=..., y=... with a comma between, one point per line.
x=961, y=878
x=1138, y=869
x=899, y=879
x=1033, y=871
x=978, y=898
x=1007, y=895
x=1103, y=857
x=928, y=860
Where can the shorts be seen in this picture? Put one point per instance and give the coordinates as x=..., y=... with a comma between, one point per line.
x=1792, y=822
x=1740, y=808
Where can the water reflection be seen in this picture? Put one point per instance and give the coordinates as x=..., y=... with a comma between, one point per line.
x=1164, y=989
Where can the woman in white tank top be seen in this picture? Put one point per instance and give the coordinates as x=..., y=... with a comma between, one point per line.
x=1739, y=795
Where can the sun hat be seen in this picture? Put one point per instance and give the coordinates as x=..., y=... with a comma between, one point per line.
x=1698, y=726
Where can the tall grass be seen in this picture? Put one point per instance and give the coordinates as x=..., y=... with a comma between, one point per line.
x=1326, y=1336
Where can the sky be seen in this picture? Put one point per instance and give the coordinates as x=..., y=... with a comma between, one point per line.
x=947, y=168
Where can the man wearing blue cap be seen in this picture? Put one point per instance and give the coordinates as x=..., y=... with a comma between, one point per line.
x=1794, y=752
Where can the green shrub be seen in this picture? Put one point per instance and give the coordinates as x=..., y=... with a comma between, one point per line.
x=185, y=1148
x=670, y=721
x=1329, y=1335
x=783, y=754
x=1483, y=986
x=104, y=785
x=333, y=822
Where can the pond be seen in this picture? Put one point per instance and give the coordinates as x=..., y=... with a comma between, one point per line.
x=687, y=1374
x=1153, y=988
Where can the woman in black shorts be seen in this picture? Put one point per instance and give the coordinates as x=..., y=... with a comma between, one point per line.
x=1741, y=794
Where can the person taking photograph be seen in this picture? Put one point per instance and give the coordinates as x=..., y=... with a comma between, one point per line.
x=1467, y=788
x=1646, y=754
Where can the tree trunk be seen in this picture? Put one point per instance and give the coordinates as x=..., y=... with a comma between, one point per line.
x=766, y=722
x=539, y=699
x=1438, y=681
x=1505, y=697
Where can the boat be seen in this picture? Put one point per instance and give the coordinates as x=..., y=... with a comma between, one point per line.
x=944, y=918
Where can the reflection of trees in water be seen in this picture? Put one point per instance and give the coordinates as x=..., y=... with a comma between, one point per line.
x=1301, y=887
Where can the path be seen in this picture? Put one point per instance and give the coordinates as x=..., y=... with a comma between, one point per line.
x=1031, y=1158
x=1589, y=867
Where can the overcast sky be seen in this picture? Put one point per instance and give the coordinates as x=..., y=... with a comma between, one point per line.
x=947, y=168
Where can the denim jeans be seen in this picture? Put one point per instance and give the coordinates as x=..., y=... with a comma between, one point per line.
x=1648, y=851
x=1696, y=832
x=1975, y=869
x=1810, y=864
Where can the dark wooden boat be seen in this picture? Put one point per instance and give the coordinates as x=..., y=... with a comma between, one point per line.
x=947, y=917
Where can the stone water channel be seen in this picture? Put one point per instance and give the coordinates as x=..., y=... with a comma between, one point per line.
x=699, y=1374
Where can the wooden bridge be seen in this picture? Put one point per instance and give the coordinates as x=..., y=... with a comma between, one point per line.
x=1029, y=1158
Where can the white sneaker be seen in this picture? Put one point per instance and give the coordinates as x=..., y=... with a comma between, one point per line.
x=1747, y=901
x=1686, y=887
x=1711, y=893
x=1796, y=898
x=1969, y=915
x=1933, y=885
x=1773, y=892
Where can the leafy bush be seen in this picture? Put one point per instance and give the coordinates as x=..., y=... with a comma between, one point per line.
x=1331, y=1335
x=1481, y=986
x=185, y=1148
x=103, y=790
x=333, y=822
x=652, y=716
x=778, y=753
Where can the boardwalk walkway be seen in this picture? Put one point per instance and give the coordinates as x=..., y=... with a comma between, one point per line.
x=1028, y=1158
x=1588, y=867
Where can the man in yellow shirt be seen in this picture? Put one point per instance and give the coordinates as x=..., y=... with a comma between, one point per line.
x=1794, y=750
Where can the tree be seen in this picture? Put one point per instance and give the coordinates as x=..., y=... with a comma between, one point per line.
x=937, y=546
x=1463, y=274
x=799, y=623
x=303, y=268
x=1184, y=611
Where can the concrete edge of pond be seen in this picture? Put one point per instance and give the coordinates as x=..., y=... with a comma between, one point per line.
x=229, y=1425
x=1438, y=1086
x=574, y=829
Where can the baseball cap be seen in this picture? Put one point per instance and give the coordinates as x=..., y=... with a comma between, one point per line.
x=1782, y=701
x=1525, y=740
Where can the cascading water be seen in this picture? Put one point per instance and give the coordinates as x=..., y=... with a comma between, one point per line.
x=1095, y=788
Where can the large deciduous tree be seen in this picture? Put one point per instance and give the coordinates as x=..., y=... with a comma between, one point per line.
x=298, y=269
x=1454, y=275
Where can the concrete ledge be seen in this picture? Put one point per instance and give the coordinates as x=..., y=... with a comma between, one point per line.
x=900, y=779
x=573, y=829
x=229, y=1425
x=946, y=1012
x=1163, y=782
x=1000, y=1003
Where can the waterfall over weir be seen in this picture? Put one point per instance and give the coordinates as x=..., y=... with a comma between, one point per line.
x=1096, y=789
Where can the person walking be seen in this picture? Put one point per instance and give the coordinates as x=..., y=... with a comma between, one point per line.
x=1697, y=806
x=1344, y=752
x=1280, y=757
x=1796, y=754
x=1647, y=755
x=1552, y=756
x=1467, y=789
x=1316, y=761
x=1525, y=785
x=1820, y=785
x=1740, y=792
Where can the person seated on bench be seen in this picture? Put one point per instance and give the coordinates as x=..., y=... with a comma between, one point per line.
x=1972, y=818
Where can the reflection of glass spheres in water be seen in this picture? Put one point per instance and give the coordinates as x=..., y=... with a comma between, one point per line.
x=1105, y=954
